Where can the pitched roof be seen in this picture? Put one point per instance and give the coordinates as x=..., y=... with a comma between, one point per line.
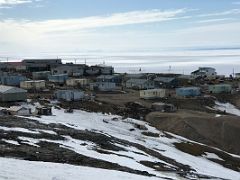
x=106, y=77
x=164, y=79
x=16, y=108
x=10, y=89
x=137, y=81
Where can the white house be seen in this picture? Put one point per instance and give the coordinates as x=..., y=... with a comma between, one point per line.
x=33, y=85
x=205, y=72
x=154, y=93
x=77, y=82
x=19, y=110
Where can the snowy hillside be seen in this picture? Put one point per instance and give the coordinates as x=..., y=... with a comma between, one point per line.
x=117, y=148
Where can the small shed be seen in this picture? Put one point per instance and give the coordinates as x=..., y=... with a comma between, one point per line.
x=140, y=84
x=11, y=94
x=33, y=85
x=154, y=93
x=163, y=107
x=19, y=110
x=103, y=86
x=59, y=78
x=78, y=82
x=43, y=110
x=188, y=91
x=69, y=95
x=42, y=75
x=220, y=88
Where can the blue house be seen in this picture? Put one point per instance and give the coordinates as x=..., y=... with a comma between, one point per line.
x=110, y=78
x=69, y=95
x=188, y=91
x=59, y=78
x=12, y=80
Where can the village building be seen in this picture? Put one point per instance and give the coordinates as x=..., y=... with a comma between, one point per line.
x=12, y=94
x=15, y=67
x=19, y=110
x=77, y=82
x=220, y=88
x=154, y=93
x=12, y=80
x=41, y=75
x=35, y=65
x=110, y=78
x=72, y=70
x=103, y=86
x=100, y=70
x=166, y=82
x=33, y=85
x=237, y=75
x=58, y=79
x=69, y=95
x=162, y=107
x=106, y=70
x=205, y=72
x=139, y=84
x=135, y=76
x=43, y=110
x=3, y=66
x=188, y=91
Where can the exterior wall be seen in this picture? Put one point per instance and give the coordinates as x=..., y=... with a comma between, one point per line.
x=61, y=79
x=170, y=84
x=107, y=70
x=103, y=86
x=153, y=93
x=185, y=92
x=205, y=71
x=41, y=64
x=97, y=70
x=69, y=70
x=220, y=88
x=11, y=97
x=145, y=85
x=33, y=85
x=110, y=78
x=77, y=82
x=42, y=75
x=69, y=95
x=12, y=80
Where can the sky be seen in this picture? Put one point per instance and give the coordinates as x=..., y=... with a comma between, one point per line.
x=70, y=26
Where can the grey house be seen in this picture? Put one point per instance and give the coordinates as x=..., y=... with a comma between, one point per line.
x=11, y=94
x=41, y=75
x=74, y=70
x=110, y=78
x=166, y=82
x=139, y=84
x=33, y=65
x=69, y=95
x=100, y=70
x=103, y=86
